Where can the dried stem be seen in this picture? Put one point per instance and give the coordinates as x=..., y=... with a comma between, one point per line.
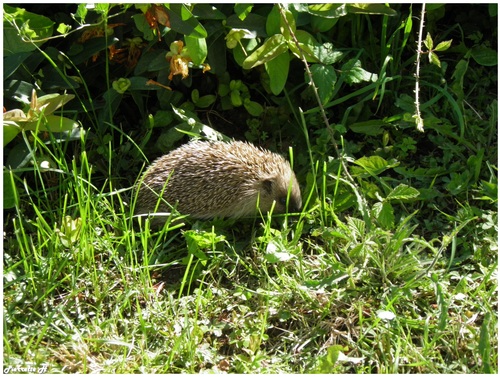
x=418, y=118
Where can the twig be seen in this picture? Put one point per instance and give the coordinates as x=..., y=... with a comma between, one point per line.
x=350, y=180
x=418, y=117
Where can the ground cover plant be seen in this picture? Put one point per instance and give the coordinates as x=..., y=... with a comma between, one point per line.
x=389, y=117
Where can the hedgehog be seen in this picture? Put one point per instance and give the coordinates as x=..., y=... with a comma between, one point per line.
x=209, y=179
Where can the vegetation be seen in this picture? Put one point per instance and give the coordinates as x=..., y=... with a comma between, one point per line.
x=391, y=265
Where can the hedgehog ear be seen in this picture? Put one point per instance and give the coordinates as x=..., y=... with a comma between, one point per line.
x=267, y=185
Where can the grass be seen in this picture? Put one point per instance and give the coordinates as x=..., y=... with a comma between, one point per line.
x=391, y=267
x=85, y=291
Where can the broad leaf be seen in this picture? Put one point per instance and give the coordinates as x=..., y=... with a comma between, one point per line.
x=485, y=56
x=402, y=192
x=277, y=69
x=384, y=213
x=10, y=194
x=354, y=73
x=370, y=8
x=183, y=21
x=373, y=165
x=272, y=47
x=32, y=27
x=197, y=48
x=324, y=77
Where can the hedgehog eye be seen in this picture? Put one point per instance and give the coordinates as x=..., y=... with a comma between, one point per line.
x=282, y=201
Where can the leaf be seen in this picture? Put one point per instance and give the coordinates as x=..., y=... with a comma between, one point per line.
x=32, y=25
x=328, y=10
x=485, y=56
x=277, y=69
x=433, y=59
x=273, y=253
x=52, y=123
x=324, y=77
x=328, y=361
x=273, y=21
x=242, y=10
x=197, y=48
x=443, y=46
x=308, y=45
x=374, y=165
x=327, y=54
x=10, y=193
x=10, y=131
x=484, y=346
x=458, y=78
x=369, y=127
x=289, y=24
x=370, y=8
x=254, y=22
x=402, y=192
x=205, y=101
x=254, y=108
x=183, y=21
x=384, y=214
x=428, y=42
x=354, y=73
x=322, y=24
x=206, y=11
x=272, y=47
x=51, y=102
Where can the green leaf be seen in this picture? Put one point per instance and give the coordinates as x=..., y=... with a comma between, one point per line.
x=31, y=25
x=443, y=46
x=324, y=77
x=289, y=24
x=370, y=127
x=272, y=47
x=328, y=10
x=236, y=99
x=354, y=73
x=254, y=108
x=254, y=22
x=205, y=101
x=384, y=213
x=236, y=35
x=370, y=8
x=458, y=78
x=308, y=45
x=10, y=193
x=51, y=102
x=373, y=165
x=52, y=123
x=322, y=24
x=273, y=21
x=403, y=192
x=434, y=59
x=328, y=361
x=197, y=48
x=277, y=69
x=81, y=12
x=63, y=28
x=484, y=346
x=206, y=11
x=428, y=42
x=485, y=56
x=242, y=10
x=10, y=131
x=327, y=54
x=183, y=21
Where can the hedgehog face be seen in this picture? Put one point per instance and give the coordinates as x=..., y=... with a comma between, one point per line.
x=276, y=190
